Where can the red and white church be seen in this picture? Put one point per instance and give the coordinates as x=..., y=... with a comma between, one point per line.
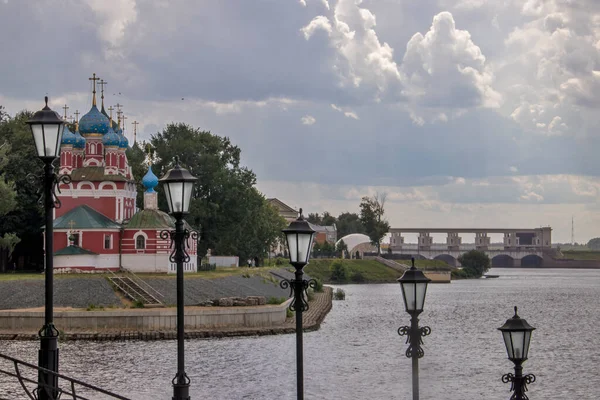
x=98, y=227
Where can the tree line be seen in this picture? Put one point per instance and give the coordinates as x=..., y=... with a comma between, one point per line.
x=370, y=221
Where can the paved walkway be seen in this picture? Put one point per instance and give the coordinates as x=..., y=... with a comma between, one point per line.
x=311, y=321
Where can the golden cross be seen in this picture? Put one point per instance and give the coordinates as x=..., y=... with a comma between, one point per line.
x=71, y=224
x=118, y=107
x=94, y=79
x=77, y=115
x=123, y=118
x=65, y=108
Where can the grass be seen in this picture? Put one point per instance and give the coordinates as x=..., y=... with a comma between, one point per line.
x=428, y=264
x=371, y=270
x=581, y=255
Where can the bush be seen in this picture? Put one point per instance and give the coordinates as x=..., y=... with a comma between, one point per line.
x=276, y=300
x=318, y=286
x=339, y=271
x=207, y=267
x=475, y=263
x=357, y=277
x=339, y=294
x=138, y=304
x=310, y=295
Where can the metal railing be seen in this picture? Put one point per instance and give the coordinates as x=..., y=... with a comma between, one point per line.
x=139, y=280
x=54, y=393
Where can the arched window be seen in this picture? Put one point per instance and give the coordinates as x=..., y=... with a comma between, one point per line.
x=140, y=242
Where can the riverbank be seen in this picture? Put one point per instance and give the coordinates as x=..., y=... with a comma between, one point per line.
x=319, y=307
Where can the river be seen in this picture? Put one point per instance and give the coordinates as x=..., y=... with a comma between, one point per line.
x=357, y=353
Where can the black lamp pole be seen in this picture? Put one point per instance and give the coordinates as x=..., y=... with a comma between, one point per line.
x=414, y=287
x=517, y=337
x=47, y=129
x=299, y=235
x=178, y=184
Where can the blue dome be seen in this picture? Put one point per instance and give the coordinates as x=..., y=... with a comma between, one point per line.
x=94, y=122
x=68, y=137
x=124, y=144
x=80, y=140
x=111, y=138
x=150, y=181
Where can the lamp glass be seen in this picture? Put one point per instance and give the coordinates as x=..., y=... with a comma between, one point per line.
x=47, y=138
x=409, y=294
x=299, y=245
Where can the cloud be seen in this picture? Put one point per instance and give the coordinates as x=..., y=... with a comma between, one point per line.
x=347, y=113
x=114, y=17
x=308, y=120
x=361, y=60
x=445, y=69
x=514, y=169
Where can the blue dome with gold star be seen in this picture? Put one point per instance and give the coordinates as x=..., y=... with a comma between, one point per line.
x=94, y=122
x=111, y=138
x=124, y=144
x=79, y=140
x=68, y=137
x=150, y=181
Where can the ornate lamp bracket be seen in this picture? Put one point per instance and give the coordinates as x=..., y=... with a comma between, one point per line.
x=518, y=385
x=34, y=180
x=413, y=348
x=298, y=292
x=179, y=248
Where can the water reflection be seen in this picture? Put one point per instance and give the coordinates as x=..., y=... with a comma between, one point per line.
x=357, y=354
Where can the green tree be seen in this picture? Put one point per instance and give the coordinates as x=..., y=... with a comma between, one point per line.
x=8, y=202
x=235, y=218
x=348, y=223
x=314, y=218
x=475, y=263
x=594, y=244
x=371, y=215
x=328, y=219
x=25, y=219
x=341, y=247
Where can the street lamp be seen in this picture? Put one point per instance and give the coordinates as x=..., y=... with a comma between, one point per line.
x=178, y=184
x=414, y=287
x=517, y=336
x=299, y=236
x=47, y=129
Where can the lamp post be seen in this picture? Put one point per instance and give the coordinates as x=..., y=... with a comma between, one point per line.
x=299, y=236
x=178, y=184
x=47, y=130
x=414, y=287
x=517, y=336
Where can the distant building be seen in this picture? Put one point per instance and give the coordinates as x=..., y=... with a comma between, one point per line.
x=289, y=214
x=325, y=234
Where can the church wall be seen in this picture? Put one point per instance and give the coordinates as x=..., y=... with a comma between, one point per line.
x=154, y=243
x=104, y=205
x=87, y=261
x=146, y=262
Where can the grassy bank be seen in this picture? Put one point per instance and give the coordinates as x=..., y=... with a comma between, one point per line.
x=358, y=271
x=581, y=255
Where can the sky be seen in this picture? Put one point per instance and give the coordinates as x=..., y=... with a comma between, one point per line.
x=466, y=113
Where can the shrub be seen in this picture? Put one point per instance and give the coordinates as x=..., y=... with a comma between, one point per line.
x=475, y=263
x=339, y=271
x=357, y=277
x=276, y=300
x=207, y=267
x=339, y=294
x=310, y=294
x=138, y=304
x=289, y=313
x=318, y=286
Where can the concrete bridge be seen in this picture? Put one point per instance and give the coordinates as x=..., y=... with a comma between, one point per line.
x=520, y=247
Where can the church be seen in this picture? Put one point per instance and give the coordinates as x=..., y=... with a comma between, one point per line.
x=98, y=227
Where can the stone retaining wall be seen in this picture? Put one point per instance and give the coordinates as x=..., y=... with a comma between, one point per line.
x=147, y=320
x=312, y=319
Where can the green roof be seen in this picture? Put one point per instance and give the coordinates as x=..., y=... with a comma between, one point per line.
x=94, y=174
x=73, y=251
x=150, y=219
x=84, y=217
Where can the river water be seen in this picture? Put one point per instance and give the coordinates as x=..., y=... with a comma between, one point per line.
x=357, y=353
